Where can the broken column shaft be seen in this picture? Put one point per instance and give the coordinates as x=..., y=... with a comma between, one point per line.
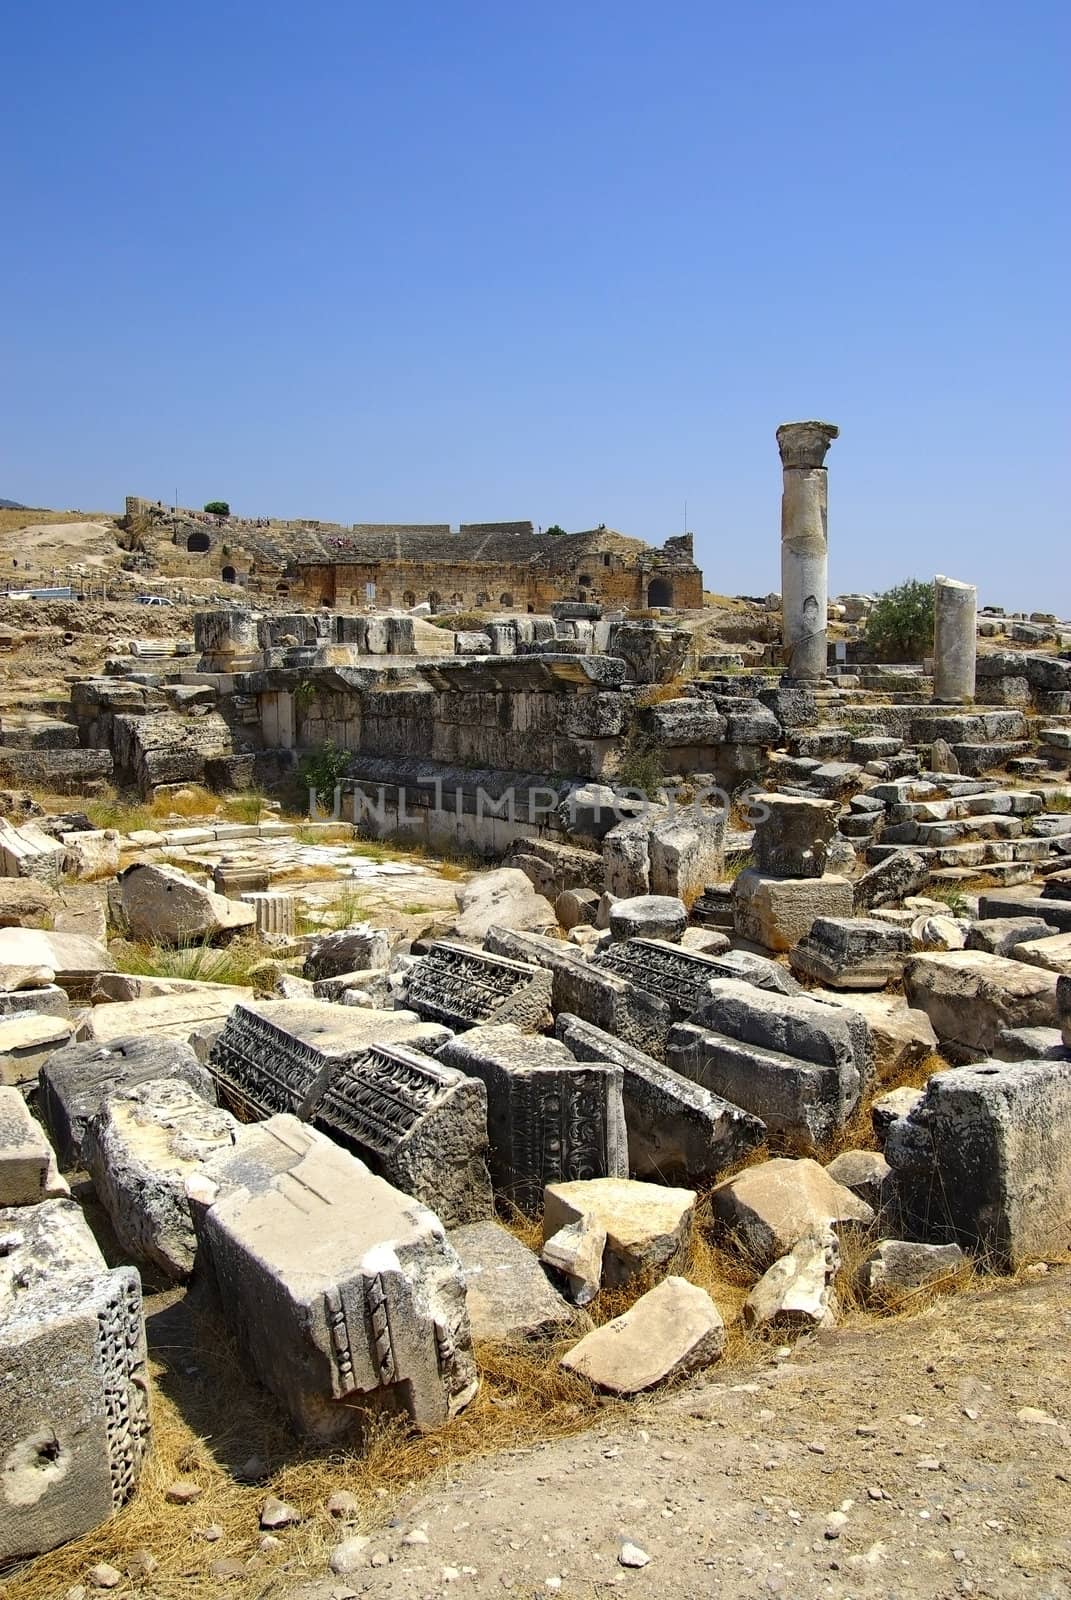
x=955, y=642
x=804, y=501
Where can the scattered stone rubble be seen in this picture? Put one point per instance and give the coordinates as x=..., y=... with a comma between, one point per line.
x=643, y=1002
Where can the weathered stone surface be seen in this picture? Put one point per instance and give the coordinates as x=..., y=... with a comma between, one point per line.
x=984, y=1160
x=28, y=1171
x=626, y=859
x=648, y=916
x=115, y=986
x=998, y=936
x=175, y=1016
x=648, y=1226
x=505, y=898
x=903, y=1038
x=794, y=1062
x=139, y=1150
x=796, y=1291
x=792, y=840
x=576, y=908
x=970, y=997
x=673, y=1329
x=28, y=852
x=462, y=988
x=1053, y=953
x=768, y=1208
x=897, y=1268
x=677, y=1129
x=74, y=959
x=508, y=1295
x=576, y=1253
x=867, y=1174
x=851, y=952
x=91, y=853
x=25, y=903
x=777, y=912
x=27, y=1039
x=679, y=977
x=705, y=941
x=548, y=1116
x=76, y=1081
x=32, y=979
x=358, y=949
x=886, y=1108
x=1063, y=1007
x=343, y=1293
x=74, y=1426
x=165, y=906
x=898, y=875
x=685, y=851
x=1029, y=1044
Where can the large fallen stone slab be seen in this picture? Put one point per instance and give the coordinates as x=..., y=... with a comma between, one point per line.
x=73, y=958
x=984, y=1160
x=28, y=852
x=116, y=986
x=74, y=1425
x=503, y=898
x=172, y=1016
x=851, y=953
x=165, y=906
x=680, y=978
x=903, y=1037
x=27, y=1039
x=362, y=948
x=768, y=1208
x=673, y=1329
x=897, y=875
x=1053, y=953
x=549, y=1117
x=970, y=997
x=28, y=1170
x=678, y=1131
x=791, y=1060
x=509, y=1296
x=343, y=1293
x=76, y=1081
x=463, y=988
x=26, y=903
x=648, y=916
x=1026, y=902
x=140, y=1148
x=897, y=1269
x=778, y=912
x=648, y=1225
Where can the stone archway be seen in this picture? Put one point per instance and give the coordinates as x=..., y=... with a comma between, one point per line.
x=505, y=599
x=660, y=592
x=198, y=542
x=435, y=599
x=409, y=599
x=229, y=575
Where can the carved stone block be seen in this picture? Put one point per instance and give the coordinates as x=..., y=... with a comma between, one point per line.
x=463, y=988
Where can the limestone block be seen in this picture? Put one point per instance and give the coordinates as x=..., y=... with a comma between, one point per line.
x=674, y=1329
x=461, y=988
x=116, y=986
x=626, y=859
x=851, y=952
x=705, y=941
x=897, y=1268
x=576, y=907
x=675, y=723
x=508, y=1295
x=27, y=1039
x=886, y=1108
x=76, y=1081
x=999, y=936
x=1052, y=953
x=28, y=1171
x=970, y=997
x=778, y=912
x=174, y=1016
x=92, y=853
x=648, y=1225
x=686, y=851
x=793, y=837
x=140, y=1148
x=768, y=1208
x=984, y=1160
x=26, y=903
x=576, y=1252
x=12, y=979
x=74, y=1426
x=28, y=852
x=549, y=1117
x=679, y=977
x=359, y=949
x=73, y=958
x=903, y=1037
x=1063, y=1007
x=677, y=1129
x=344, y=1294
x=796, y=1291
x=651, y=916
x=867, y=1174
x=1029, y=1044
x=163, y=905
x=901, y=873
x=504, y=898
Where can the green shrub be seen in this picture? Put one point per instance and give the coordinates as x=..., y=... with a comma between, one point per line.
x=555, y=530
x=323, y=768
x=218, y=508
x=900, y=627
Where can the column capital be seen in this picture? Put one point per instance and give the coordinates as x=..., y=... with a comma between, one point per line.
x=804, y=444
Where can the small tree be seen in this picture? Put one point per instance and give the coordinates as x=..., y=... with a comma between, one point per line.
x=218, y=508
x=322, y=769
x=900, y=627
x=555, y=530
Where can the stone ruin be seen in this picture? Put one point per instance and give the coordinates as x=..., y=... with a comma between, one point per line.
x=845, y=879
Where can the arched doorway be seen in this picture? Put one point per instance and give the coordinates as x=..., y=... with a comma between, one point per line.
x=283, y=591
x=482, y=599
x=435, y=599
x=409, y=599
x=659, y=592
x=505, y=599
x=229, y=575
x=198, y=543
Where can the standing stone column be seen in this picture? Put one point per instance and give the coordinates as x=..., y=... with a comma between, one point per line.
x=804, y=501
x=955, y=640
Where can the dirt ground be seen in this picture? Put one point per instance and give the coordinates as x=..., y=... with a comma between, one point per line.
x=943, y=1442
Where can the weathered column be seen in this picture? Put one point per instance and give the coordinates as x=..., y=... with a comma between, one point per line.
x=955, y=640
x=804, y=501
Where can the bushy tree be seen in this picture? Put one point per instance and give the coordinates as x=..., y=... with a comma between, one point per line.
x=555, y=530
x=900, y=627
x=218, y=508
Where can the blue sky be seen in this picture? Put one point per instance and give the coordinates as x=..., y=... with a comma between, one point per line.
x=567, y=262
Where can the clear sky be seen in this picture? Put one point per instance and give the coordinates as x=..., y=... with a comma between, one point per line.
x=572, y=262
